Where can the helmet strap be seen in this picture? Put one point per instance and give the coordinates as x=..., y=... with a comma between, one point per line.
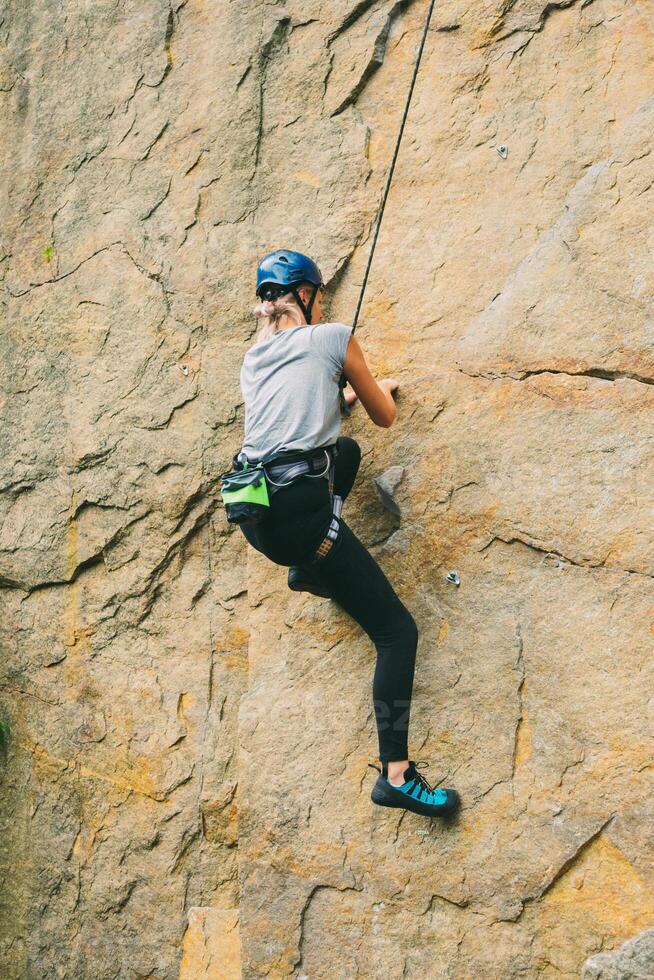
x=306, y=309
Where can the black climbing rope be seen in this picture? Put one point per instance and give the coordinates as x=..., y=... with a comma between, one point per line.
x=346, y=409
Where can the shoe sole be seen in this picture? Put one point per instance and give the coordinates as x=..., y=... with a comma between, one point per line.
x=297, y=585
x=305, y=587
x=384, y=796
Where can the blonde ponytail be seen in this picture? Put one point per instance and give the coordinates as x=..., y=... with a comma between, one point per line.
x=270, y=312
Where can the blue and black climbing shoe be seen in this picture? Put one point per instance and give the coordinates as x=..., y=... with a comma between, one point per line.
x=301, y=580
x=414, y=793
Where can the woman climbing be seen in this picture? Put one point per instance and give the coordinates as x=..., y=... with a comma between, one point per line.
x=290, y=384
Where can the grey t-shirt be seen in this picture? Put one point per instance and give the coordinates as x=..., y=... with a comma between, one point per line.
x=290, y=386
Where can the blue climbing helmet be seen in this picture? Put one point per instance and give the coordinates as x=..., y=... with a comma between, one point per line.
x=282, y=272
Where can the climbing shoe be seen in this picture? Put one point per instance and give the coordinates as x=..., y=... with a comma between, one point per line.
x=414, y=794
x=300, y=580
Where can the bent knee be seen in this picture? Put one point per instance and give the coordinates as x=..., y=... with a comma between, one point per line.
x=407, y=628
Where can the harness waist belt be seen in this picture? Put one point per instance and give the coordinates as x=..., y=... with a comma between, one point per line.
x=316, y=465
x=287, y=466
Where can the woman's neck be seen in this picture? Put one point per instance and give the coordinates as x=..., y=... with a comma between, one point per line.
x=287, y=322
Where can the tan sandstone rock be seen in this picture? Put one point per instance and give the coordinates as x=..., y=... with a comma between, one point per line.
x=211, y=945
x=189, y=738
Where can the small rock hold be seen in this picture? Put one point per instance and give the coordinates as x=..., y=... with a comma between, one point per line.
x=386, y=486
x=398, y=541
x=634, y=960
x=509, y=909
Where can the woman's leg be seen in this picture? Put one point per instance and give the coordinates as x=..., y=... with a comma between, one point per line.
x=353, y=579
x=359, y=586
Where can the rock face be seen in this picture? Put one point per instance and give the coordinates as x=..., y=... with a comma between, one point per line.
x=189, y=739
x=211, y=945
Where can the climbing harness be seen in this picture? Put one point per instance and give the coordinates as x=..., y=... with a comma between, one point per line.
x=328, y=541
x=290, y=472
x=247, y=488
x=345, y=408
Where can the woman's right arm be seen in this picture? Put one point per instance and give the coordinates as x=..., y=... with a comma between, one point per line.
x=375, y=396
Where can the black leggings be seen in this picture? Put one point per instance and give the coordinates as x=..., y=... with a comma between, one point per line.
x=298, y=520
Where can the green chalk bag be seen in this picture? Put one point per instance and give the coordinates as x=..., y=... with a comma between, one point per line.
x=245, y=495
